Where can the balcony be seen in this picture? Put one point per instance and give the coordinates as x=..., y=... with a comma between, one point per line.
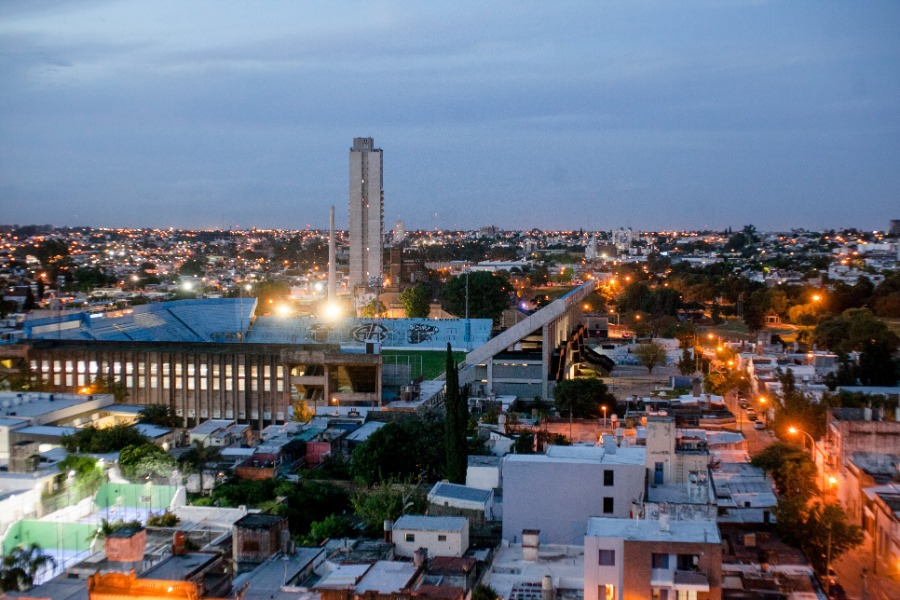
x=695, y=581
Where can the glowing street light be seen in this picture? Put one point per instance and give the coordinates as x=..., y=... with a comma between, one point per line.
x=816, y=298
x=603, y=408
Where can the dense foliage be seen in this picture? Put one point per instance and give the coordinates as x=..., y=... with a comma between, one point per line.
x=582, y=398
x=402, y=451
x=95, y=440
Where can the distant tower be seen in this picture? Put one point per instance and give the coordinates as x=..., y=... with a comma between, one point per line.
x=895, y=227
x=399, y=231
x=366, y=212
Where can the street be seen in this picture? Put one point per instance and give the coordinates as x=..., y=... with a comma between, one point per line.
x=757, y=439
x=849, y=573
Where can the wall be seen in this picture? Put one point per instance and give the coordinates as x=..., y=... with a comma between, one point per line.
x=455, y=545
x=558, y=497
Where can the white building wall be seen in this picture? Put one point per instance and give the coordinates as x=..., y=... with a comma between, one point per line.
x=455, y=544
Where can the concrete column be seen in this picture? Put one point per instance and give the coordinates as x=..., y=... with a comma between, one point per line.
x=545, y=362
x=490, y=374
x=327, y=384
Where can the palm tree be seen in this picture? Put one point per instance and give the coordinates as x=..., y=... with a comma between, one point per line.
x=201, y=455
x=19, y=568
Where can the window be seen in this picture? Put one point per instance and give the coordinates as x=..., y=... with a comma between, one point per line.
x=659, y=594
x=607, y=592
x=688, y=562
x=442, y=538
x=410, y=537
x=608, y=477
x=660, y=561
x=686, y=595
x=607, y=506
x=251, y=546
x=607, y=558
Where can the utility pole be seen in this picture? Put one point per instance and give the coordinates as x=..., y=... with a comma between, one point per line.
x=827, y=559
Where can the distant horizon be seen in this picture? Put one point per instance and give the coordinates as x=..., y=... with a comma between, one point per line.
x=388, y=229
x=644, y=114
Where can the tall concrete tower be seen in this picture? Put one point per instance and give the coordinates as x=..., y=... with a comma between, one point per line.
x=366, y=212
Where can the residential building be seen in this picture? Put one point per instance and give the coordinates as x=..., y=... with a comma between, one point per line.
x=440, y=536
x=366, y=213
x=558, y=491
x=630, y=558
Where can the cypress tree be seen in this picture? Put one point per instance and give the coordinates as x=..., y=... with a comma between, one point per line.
x=455, y=423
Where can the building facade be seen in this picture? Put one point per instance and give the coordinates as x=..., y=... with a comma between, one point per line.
x=366, y=212
x=250, y=383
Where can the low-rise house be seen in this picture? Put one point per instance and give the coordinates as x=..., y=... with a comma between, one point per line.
x=743, y=493
x=630, y=558
x=440, y=536
x=221, y=433
x=451, y=499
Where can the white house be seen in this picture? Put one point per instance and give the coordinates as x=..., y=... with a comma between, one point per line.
x=441, y=536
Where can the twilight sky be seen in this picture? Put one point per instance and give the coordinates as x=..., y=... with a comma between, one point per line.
x=649, y=114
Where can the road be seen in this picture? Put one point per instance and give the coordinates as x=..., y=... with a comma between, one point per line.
x=757, y=439
x=849, y=573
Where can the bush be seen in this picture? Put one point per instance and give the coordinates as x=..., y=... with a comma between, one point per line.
x=165, y=519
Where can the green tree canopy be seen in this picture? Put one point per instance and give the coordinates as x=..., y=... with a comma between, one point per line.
x=404, y=450
x=488, y=295
x=583, y=397
x=388, y=500
x=817, y=529
x=650, y=354
x=95, y=440
x=161, y=415
x=791, y=468
x=146, y=460
x=416, y=301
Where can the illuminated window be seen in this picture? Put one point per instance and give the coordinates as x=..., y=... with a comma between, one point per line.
x=607, y=592
x=686, y=595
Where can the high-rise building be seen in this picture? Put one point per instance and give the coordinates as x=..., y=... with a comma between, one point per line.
x=399, y=231
x=895, y=227
x=366, y=213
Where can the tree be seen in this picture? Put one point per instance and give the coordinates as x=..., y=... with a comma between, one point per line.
x=147, y=460
x=161, y=415
x=525, y=442
x=416, y=301
x=373, y=309
x=191, y=268
x=23, y=379
x=582, y=398
x=385, y=501
x=101, y=441
x=107, y=385
x=651, y=354
x=821, y=531
x=685, y=333
x=406, y=450
x=687, y=364
x=488, y=295
x=331, y=527
x=791, y=468
x=86, y=471
x=19, y=568
x=485, y=592
x=302, y=412
x=199, y=456
x=29, y=304
x=455, y=422
x=40, y=288
x=876, y=366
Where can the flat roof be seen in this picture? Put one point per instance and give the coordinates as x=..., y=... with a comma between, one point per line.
x=278, y=570
x=386, y=577
x=421, y=523
x=176, y=568
x=645, y=530
x=210, y=426
x=35, y=404
x=46, y=430
x=459, y=492
x=584, y=455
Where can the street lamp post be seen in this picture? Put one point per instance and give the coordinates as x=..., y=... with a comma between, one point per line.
x=603, y=408
x=812, y=452
x=764, y=409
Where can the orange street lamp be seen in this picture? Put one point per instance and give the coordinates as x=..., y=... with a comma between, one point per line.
x=816, y=298
x=603, y=408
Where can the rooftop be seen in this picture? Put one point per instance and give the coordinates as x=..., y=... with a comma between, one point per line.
x=459, y=492
x=211, y=426
x=420, y=523
x=564, y=563
x=584, y=455
x=259, y=521
x=699, y=532
x=177, y=568
x=386, y=577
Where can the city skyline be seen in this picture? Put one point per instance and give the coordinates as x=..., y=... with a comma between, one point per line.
x=132, y=115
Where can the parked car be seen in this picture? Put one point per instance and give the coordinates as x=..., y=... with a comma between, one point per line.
x=751, y=415
x=744, y=404
x=759, y=425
